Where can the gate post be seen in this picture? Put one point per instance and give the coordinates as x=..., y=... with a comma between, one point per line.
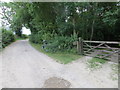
x=80, y=46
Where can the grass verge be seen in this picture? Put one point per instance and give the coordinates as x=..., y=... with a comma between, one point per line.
x=61, y=57
x=95, y=63
x=19, y=39
x=115, y=71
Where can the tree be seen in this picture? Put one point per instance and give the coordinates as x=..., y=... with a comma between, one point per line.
x=89, y=20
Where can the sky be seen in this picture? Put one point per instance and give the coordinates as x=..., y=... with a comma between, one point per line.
x=26, y=31
x=5, y=0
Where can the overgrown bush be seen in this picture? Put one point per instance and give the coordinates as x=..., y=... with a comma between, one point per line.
x=24, y=36
x=60, y=43
x=40, y=36
x=53, y=42
x=7, y=37
x=35, y=38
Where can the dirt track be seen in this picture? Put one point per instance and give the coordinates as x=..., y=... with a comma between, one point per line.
x=25, y=67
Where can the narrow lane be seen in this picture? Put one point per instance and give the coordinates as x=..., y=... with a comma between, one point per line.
x=25, y=67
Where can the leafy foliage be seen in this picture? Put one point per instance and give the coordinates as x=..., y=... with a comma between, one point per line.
x=36, y=38
x=7, y=37
x=60, y=43
x=57, y=22
x=24, y=36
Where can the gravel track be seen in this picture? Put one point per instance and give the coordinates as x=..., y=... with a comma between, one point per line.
x=25, y=67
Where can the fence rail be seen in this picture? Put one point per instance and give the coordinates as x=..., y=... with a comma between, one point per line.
x=99, y=49
x=107, y=42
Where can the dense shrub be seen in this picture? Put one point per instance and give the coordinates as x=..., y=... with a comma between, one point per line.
x=39, y=37
x=24, y=36
x=60, y=43
x=53, y=42
x=35, y=38
x=7, y=37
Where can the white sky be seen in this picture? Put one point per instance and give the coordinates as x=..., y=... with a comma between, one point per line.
x=5, y=0
x=0, y=17
x=26, y=31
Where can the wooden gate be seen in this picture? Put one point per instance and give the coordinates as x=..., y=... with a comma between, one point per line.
x=100, y=49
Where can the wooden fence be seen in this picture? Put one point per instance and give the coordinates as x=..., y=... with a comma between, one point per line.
x=100, y=49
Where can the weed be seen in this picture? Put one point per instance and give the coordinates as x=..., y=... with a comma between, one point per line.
x=95, y=63
x=114, y=73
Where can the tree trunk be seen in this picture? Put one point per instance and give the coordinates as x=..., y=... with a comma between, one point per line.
x=74, y=31
x=92, y=29
x=93, y=22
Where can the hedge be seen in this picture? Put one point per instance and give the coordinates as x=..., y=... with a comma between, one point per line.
x=7, y=37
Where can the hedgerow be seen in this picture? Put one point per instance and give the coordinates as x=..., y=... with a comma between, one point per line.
x=7, y=37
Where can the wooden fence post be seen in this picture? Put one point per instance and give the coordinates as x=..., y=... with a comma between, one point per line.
x=80, y=46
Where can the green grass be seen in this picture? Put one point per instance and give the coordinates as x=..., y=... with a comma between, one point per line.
x=61, y=57
x=19, y=39
x=95, y=63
